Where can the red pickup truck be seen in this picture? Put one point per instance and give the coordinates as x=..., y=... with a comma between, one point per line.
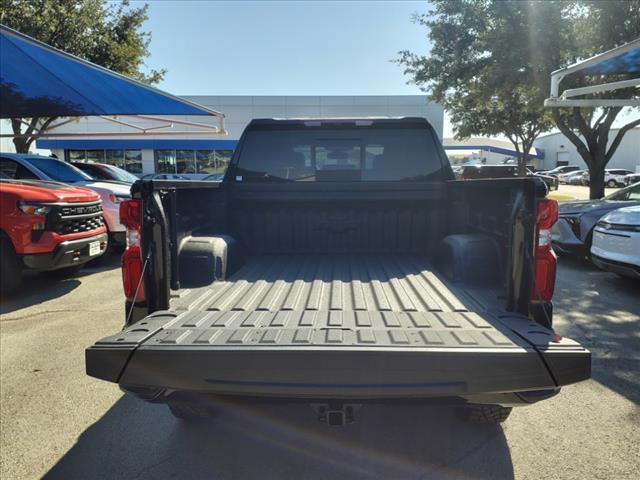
x=47, y=226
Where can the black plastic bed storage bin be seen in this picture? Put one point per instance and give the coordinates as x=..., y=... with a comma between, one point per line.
x=204, y=260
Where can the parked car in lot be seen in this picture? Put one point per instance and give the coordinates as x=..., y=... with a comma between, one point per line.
x=560, y=170
x=26, y=166
x=551, y=181
x=567, y=178
x=573, y=232
x=475, y=172
x=47, y=226
x=105, y=172
x=317, y=277
x=631, y=179
x=165, y=176
x=575, y=178
x=612, y=177
x=616, y=242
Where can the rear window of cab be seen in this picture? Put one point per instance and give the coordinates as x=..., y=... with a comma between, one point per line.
x=338, y=154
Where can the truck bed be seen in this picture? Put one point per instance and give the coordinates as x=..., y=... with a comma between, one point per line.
x=333, y=325
x=327, y=282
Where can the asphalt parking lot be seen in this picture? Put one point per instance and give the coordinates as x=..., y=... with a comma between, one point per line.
x=58, y=423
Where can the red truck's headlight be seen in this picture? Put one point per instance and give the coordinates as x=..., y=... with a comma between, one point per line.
x=32, y=208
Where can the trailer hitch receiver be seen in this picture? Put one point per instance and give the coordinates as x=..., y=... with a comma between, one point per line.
x=336, y=414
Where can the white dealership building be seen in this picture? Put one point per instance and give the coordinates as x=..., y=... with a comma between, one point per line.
x=193, y=153
x=557, y=150
x=189, y=153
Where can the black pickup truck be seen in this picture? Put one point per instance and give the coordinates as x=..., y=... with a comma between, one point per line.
x=338, y=263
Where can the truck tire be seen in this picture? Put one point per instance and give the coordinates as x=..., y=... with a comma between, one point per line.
x=10, y=269
x=484, y=413
x=188, y=411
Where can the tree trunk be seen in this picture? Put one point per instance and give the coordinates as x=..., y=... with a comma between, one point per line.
x=21, y=144
x=596, y=178
x=35, y=128
x=592, y=147
x=522, y=163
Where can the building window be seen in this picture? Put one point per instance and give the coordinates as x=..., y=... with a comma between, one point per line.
x=115, y=158
x=185, y=161
x=206, y=161
x=165, y=161
x=76, y=156
x=192, y=161
x=223, y=157
x=129, y=160
x=95, y=156
x=133, y=161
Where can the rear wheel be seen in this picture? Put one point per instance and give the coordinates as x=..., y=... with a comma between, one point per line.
x=612, y=184
x=10, y=268
x=484, y=413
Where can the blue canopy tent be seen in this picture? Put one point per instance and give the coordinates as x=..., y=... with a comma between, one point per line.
x=622, y=60
x=37, y=80
x=628, y=62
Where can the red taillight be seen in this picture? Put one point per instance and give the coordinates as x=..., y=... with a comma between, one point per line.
x=545, y=277
x=132, y=265
x=131, y=214
x=132, y=274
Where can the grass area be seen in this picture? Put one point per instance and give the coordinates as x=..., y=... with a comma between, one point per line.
x=560, y=197
x=575, y=192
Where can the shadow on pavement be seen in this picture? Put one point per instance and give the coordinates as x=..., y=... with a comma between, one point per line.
x=40, y=287
x=602, y=312
x=138, y=440
x=108, y=261
x=37, y=289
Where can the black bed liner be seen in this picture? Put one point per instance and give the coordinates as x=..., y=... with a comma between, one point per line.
x=338, y=326
x=335, y=282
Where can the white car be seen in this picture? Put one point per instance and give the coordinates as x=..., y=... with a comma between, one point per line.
x=560, y=170
x=26, y=166
x=616, y=242
x=631, y=178
x=567, y=177
x=613, y=177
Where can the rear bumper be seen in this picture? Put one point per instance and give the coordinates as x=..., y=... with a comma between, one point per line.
x=118, y=238
x=66, y=254
x=626, y=269
x=506, y=399
x=565, y=241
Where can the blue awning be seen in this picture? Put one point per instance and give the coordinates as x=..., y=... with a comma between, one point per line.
x=626, y=63
x=37, y=80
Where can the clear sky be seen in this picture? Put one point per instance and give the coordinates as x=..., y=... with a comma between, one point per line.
x=284, y=48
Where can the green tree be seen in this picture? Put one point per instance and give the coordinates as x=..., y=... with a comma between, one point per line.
x=491, y=61
x=105, y=33
x=489, y=65
x=597, y=26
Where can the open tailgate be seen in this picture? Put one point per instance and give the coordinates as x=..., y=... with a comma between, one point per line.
x=338, y=354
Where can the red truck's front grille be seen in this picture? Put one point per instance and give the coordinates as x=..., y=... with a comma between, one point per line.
x=66, y=219
x=79, y=225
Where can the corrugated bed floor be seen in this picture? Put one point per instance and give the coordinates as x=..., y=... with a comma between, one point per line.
x=396, y=283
